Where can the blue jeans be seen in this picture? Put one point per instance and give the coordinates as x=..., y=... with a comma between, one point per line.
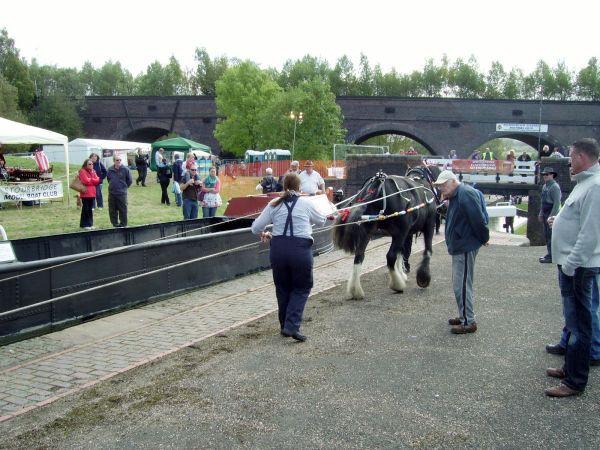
x=576, y=292
x=98, y=201
x=595, y=352
x=178, y=200
x=209, y=212
x=190, y=209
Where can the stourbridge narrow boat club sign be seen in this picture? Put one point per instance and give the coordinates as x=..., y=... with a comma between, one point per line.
x=18, y=192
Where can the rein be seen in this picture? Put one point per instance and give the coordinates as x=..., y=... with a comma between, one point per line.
x=381, y=176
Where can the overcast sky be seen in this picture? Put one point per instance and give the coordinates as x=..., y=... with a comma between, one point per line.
x=395, y=33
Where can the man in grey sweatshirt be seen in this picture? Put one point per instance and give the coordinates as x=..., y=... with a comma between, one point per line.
x=576, y=251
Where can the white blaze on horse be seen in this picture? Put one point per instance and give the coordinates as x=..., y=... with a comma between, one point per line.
x=399, y=206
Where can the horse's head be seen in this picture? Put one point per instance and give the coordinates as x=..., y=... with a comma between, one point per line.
x=372, y=190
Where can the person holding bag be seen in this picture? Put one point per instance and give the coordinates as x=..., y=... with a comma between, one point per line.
x=211, y=188
x=90, y=179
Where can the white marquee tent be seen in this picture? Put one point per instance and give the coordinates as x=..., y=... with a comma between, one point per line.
x=80, y=149
x=18, y=133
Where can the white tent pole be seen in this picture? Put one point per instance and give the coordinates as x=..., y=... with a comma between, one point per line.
x=67, y=172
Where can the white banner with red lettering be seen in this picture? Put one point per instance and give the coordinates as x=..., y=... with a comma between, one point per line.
x=18, y=192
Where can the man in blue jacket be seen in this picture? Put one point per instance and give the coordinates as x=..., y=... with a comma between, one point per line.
x=119, y=180
x=466, y=231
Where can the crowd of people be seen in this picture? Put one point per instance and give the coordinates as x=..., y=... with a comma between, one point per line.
x=190, y=191
x=511, y=155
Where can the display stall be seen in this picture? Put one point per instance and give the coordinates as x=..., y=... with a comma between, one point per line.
x=26, y=184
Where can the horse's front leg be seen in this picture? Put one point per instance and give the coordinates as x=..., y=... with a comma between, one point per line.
x=423, y=273
x=406, y=252
x=395, y=265
x=354, y=289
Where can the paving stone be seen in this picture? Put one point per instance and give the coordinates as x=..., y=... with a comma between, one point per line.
x=186, y=318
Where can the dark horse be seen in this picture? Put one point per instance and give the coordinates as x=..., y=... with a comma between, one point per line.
x=399, y=206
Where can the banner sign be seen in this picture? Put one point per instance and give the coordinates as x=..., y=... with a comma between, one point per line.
x=481, y=166
x=106, y=153
x=16, y=192
x=522, y=127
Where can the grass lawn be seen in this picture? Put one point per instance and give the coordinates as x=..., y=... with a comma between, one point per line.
x=54, y=217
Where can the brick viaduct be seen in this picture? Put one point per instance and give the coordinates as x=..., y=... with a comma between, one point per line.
x=438, y=124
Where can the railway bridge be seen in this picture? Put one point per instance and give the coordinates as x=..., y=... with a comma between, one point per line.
x=439, y=124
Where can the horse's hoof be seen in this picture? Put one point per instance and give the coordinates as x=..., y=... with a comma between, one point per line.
x=423, y=282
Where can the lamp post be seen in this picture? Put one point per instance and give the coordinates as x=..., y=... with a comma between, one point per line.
x=297, y=117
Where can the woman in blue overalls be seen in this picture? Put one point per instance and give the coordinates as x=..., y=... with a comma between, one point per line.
x=291, y=257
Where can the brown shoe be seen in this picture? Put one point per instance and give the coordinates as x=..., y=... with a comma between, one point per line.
x=555, y=373
x=561, y=390
x=464, y=329
x=456, y=321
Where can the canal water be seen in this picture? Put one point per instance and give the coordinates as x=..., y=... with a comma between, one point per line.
x=496, y=223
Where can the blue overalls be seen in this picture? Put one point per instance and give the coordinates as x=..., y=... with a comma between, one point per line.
x=291, y=262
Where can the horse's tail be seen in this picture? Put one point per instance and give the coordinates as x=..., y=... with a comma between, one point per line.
x=348, y=235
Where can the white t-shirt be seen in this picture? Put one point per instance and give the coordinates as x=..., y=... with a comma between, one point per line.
x=304, y=214
x=158, y=157
x=309, y=184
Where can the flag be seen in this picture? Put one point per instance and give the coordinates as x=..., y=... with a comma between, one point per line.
x=41, y=160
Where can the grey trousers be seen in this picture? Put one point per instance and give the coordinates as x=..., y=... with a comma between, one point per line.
x=463, y=266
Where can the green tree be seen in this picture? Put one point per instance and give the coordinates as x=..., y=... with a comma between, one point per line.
x=513, y=87
x=112, y=79
x=57, y=113
x=15, y=71
x=87, y=77
x=465, y=79
x=243, y=93
x=320, y=129
x=388, y=84
x=540, y=82
x=341, y=78
x=306, y=69
x=51, y=80
x=495, y=81
x=588, y=81
x=433, y=80
x=365, y=84
x=564, y=82
x=208, y=72
x=9, y=101
x=159, y=80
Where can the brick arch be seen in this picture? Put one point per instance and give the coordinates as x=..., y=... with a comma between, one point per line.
x=530, y=139
x=377, y=129
x=125, y=129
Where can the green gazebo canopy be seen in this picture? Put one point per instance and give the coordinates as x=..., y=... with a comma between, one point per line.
x=180, y=143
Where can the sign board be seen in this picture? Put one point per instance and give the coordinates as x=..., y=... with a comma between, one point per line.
x=522, y=127
x=106, y=153
x=481, y=166
x=17, y=192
